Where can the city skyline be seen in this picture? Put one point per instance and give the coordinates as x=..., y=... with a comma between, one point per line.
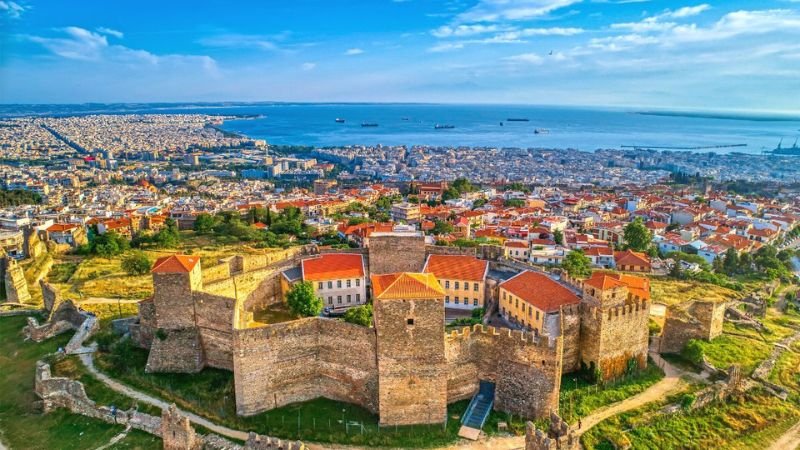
x=735, y=55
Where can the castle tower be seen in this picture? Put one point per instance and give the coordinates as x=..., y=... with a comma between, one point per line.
x=174, y=279
x=614, y=323
x=412, y=372
x=176, y=346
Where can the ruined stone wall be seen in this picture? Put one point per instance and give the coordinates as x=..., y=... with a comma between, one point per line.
x=612, y=336
x=215, y=322
x=697, y=320
x=50, y=296
x=15, y=284
x=526, y=370
x=570, y=319
x=142, y=331
x=412, y=368
x=559, y=436
x=177, y=432
x=484, y=251
x=392, y=253
x=288, y=362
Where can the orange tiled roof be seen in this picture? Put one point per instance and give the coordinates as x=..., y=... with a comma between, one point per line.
x=175, y=264
x=638, y=286
x=333, y=266
x=631, y=258
x=406, y=286
x=516, y=244
x=456, y=267
x=540, y=291
x=58, y=227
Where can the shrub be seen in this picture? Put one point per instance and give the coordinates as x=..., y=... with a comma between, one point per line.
x=360, y=315
x=303, y=301
x=694, y=352
x=137, y=263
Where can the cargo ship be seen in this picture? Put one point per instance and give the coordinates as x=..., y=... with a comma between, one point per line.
x=339, y=120
x=443, y=127
x=794, y=150
x=517, y=119
x=369, y=124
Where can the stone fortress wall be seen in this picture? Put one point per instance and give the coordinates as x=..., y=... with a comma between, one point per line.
x=699, y=319
x=405, y=373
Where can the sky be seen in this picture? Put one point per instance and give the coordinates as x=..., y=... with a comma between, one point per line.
x=680, y=54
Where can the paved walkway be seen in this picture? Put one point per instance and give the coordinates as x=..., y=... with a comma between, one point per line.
x=789, y=440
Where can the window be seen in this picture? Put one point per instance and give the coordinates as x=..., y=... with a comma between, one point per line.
x=339, y=299
x=456, y=300
x=330, y=300
x=349, y=298
x=475, y=287
x=475, y=302
x=410, y=322
x=358, y=298
x=319, y=285
x=447, y=299
x=330, y=284
x=339, y=283
x=537, y=315
x=358, y=282
x=447, y=284
x=348, y=283
x=456, y=285
x=517, y=302
x=530, y=313
x=504, y=295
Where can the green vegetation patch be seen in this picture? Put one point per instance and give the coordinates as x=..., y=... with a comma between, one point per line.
x=23, y=427
x=732, y=425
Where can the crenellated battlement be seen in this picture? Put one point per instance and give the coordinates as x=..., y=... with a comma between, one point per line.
x=506, y=334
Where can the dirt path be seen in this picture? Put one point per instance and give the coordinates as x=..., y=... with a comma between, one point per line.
x=670, y=384
x=104, y=300
x=789, y=440
x=88, y=361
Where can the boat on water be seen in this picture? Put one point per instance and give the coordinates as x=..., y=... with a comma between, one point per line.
x=443, y=127
x=369, y=124
x=518, y=119
x=794, y=150
x=339, y=120
x=541, y=131
x=404, y=118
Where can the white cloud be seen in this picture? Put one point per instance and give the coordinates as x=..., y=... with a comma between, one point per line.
x=528, y=58
x=530, y=32
x=688, y=11
x=353, y=51
x=308, y=66
x=110, y=32
x=503, y=10
x=446, y=31
x=657, y=23
x=241, y=41
x=84, y=45
x=446, y=47
x=12, y=9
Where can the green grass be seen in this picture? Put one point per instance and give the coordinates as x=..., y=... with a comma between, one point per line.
x=727, y=349
x=586, y=398
x=276, y=313
x=62, y=272
x=750, y=423
x=23, y=427
x=210, y=394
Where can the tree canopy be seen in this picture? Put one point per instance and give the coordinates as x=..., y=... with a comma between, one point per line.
x=577, y=264
x=303, y=301
x=637, y=236
x=136, y=263
x=360, y=315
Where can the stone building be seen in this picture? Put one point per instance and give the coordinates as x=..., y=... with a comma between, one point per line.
x=699, y=319
x=463, y=278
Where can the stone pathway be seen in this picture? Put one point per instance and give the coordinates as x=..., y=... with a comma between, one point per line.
x=789, y=440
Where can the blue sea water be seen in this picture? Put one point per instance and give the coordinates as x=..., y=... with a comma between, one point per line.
x=474, y=125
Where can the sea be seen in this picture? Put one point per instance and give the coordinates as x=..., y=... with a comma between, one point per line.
x=588, y=129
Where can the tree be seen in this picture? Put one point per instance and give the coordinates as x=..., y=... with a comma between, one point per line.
x=109, y=244
x=137, y=263
x=463, y=185
x=204, y=223
x=360, y=315
x=730, y=262
x=441, y=227
x=577, y=264
x=169, y=236
x=514, y=203
x=558, y=237
x=637, y=236
x=693, y=351
x=303, y=301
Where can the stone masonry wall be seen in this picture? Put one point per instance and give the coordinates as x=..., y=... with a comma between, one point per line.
x=559, y=436
x=50, y=296
x=215, y=323
x=412, y=368
x=526, y=370
x=288, y=362
x=697, y=320
x=571, y=332
x=612, y=336
x=391, y=254
x=15, y=284
x=177, y=351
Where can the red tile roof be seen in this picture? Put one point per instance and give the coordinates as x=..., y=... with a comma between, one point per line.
x=457, y=267
x=631, y=258
x=638, y=286
x=540, y=291
x=175, y=264
x=333, y=266
x=406, y=286
x=59, y=227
